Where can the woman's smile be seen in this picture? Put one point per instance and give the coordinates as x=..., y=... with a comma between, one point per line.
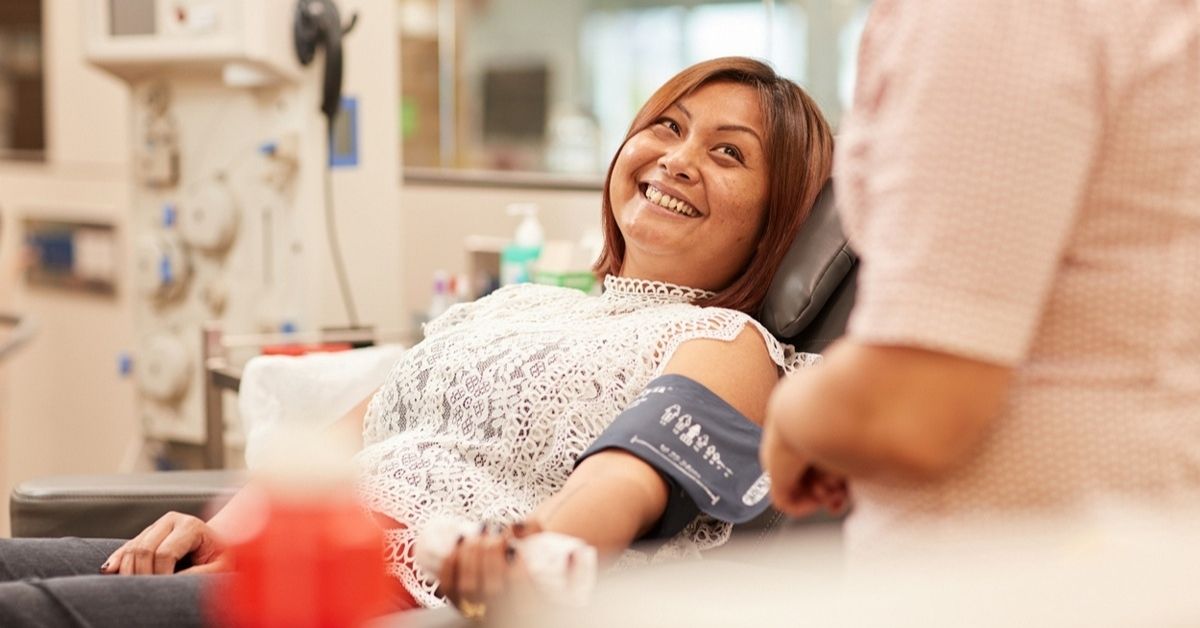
x=673, y=202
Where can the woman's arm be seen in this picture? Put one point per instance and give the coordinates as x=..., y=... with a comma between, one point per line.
x=612, y=497
x=159, y=547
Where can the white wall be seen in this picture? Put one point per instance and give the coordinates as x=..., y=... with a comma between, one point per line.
x=439, y=218
x=63, y=408
x=367, y=196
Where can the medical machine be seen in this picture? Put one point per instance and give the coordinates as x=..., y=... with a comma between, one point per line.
x=235, y=122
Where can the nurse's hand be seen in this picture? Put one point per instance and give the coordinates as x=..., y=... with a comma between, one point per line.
x=483, y=568
x=162, y=545
x=799, y=489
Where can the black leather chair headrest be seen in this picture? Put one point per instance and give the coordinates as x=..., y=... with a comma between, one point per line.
x=811, y=295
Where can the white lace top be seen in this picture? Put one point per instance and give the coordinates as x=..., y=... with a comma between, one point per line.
x=484, y=419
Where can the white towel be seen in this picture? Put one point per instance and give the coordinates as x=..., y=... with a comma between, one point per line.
x=315, y=389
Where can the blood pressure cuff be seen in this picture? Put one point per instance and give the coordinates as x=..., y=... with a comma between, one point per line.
x=705, y=449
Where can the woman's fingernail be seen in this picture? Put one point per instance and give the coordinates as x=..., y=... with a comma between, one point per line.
x=104, y=567
x=509, y=553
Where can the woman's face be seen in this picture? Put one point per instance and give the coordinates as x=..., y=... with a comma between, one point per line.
x=689, y=191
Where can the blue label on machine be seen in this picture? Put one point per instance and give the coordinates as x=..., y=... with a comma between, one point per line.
x=343, y=144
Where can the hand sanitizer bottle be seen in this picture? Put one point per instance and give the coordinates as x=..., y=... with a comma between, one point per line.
x=517, y=259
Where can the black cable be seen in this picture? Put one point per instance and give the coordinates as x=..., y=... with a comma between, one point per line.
x=335, y=249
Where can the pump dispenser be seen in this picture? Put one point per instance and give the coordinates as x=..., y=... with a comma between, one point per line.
x=517, y=259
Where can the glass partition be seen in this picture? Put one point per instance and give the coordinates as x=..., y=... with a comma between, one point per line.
x=550, y=87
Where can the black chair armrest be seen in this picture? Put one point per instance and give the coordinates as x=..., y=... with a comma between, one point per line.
x=114, y=506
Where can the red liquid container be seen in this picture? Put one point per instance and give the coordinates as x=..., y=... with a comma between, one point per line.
x=311, y=556
x=317, y=565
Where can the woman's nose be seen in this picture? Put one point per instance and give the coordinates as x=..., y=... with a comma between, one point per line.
x=679, y=162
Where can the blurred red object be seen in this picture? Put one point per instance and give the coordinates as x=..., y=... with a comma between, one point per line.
x=312, y=564
x=298, y=349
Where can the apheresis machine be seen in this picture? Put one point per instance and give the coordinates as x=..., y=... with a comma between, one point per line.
x=241, y=132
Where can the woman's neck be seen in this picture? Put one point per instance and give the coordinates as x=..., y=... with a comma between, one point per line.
x=670, y=274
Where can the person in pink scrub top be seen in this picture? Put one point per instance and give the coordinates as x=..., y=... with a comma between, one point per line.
x=1023, y=185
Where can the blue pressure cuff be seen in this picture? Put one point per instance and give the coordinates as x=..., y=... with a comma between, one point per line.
x=705, y=449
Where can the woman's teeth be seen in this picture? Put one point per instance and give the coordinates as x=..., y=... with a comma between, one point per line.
x=656, y=196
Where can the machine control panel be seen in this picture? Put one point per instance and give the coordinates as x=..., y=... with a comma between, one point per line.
x=133, y=38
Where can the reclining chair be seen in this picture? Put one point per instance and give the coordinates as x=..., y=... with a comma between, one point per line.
x=807, y=306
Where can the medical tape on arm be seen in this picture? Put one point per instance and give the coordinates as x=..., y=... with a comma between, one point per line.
x=697, y=440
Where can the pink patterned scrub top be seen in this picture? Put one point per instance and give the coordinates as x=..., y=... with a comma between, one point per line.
x=1021, y=180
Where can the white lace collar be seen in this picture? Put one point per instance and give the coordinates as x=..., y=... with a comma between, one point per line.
x=651, y=292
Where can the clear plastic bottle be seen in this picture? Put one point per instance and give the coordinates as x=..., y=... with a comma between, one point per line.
x=517, y=259
x=441, y=298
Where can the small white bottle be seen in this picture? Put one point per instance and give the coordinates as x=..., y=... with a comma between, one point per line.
x=440, y=300
x=517, y=259
x=462, y=288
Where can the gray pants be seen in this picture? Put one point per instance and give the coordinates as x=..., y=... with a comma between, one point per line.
x=56, y=582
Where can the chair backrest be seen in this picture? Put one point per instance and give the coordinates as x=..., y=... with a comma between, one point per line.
x=811, y=295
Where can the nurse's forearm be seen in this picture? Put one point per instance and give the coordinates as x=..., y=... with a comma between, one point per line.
x=888, y=411
x=610, y=500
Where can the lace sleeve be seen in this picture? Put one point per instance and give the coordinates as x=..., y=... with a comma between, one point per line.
x=721, y=324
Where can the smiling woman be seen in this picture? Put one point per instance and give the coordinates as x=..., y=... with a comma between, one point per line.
x=745, y=151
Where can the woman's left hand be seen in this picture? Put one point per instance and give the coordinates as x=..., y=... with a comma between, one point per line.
x=483, y=568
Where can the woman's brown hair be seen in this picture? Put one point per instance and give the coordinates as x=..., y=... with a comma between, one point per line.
x=799, y=154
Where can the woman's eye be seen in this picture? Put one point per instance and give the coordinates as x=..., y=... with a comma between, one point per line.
x=671, y=125
x=730, y=151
